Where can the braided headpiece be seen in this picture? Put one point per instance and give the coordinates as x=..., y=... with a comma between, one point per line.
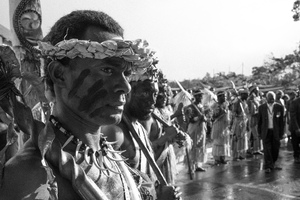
x=135, y=51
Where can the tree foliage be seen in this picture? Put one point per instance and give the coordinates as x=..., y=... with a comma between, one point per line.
x=277, y=71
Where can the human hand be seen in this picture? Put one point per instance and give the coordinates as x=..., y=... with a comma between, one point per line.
x=181, y=135
x=180, y=138
x=195, y=119
x=188, y=111
x=168, y=192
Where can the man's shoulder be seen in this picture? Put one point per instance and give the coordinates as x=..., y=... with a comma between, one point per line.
x=29, y=154
x=189, y=106
x=295, y=101
x=276, y=104
x=264, y=105
x=237, y=101
x=23, y=174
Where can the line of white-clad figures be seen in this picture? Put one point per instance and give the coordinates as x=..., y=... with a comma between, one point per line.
x=243, y=122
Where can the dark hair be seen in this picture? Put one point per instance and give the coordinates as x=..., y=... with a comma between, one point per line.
x=74, y=25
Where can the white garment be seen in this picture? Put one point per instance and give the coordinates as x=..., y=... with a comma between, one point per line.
x=270, y=116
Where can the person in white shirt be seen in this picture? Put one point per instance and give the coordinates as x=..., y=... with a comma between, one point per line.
x=270, y=130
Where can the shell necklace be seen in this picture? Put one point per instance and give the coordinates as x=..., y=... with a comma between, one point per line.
x=99, y=158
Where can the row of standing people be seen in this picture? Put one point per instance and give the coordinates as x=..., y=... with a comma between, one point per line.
x=245, y=122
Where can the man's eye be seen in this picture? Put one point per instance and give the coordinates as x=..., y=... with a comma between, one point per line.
x=127, y=73
x=107, y=70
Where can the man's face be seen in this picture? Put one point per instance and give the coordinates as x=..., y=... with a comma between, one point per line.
x=244, y=96
x=162, y=98
x=292, y=95
x=278, y=95
x=198, y=98
x=270, y=99
x=221, y=98
x=256, y=91
x=95, y=89
x=142, y=99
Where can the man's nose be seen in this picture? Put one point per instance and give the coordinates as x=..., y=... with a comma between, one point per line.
x=123, y=85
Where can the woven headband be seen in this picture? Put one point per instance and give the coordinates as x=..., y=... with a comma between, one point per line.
x=135, y=51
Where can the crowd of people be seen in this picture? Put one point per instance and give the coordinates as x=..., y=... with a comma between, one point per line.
x=242, y=123
x=114, y=128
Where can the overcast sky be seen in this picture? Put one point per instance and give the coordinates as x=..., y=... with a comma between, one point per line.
x=194, y=37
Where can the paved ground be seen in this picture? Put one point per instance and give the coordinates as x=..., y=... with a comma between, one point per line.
x=243, y=180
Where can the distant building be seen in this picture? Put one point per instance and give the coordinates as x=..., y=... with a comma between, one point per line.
x=5, y=36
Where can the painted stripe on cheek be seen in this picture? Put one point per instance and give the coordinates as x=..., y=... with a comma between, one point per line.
x=95, y=93
x=78, y=82
x=88, y=102
x=96, y=112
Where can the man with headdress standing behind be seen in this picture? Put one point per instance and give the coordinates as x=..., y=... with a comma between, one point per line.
x=164, y=154
x=138, y=112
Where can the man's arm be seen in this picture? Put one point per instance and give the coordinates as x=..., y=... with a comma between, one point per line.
x=293, y=116
x=21, y=170
x=171, y=133
x=281, y=118
x=259, y=120
x=178, y=112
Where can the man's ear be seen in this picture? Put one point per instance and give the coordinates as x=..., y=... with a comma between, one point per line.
x=56, y=72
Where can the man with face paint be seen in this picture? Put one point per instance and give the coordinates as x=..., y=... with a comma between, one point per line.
x=138, y=109
x=87, y=66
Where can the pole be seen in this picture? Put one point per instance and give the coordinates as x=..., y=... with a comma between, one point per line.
x=150, y=159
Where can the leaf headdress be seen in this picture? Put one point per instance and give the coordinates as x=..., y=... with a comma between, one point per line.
x=135, y=51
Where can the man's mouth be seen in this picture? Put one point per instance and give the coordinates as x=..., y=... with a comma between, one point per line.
x=149, y=109
x=117, y=105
